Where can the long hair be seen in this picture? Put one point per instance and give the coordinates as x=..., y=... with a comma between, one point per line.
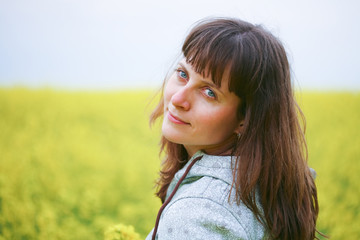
x=271, y=154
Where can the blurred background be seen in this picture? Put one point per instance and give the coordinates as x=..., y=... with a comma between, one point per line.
x=81, y=44
x=77, y=84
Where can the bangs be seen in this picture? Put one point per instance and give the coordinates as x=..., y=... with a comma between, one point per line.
x=231, y=49
x=210, y=52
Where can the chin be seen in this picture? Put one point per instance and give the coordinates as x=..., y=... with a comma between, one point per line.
x=172, y=136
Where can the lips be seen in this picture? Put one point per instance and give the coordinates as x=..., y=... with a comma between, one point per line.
x=175, y=119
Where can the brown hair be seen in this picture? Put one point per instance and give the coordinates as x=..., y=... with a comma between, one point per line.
x=272, y=146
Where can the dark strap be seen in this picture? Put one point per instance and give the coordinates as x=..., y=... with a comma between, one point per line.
x=171, y=195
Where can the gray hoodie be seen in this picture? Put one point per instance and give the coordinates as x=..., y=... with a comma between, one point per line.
x=201, y=209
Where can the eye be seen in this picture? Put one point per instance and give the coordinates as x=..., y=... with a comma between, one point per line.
x=210, y=93
x=182, y=73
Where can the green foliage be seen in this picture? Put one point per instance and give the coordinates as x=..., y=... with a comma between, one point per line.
x=74, y=163
x=333, y=138
x=121, y=232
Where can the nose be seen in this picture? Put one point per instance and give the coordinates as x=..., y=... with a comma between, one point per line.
x=181, y=98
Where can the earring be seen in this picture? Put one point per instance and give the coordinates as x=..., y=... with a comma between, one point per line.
x=239, y=135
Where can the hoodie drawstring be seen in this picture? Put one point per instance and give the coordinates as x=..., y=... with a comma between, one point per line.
x=172, y=194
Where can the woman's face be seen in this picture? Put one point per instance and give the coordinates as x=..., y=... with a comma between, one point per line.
x=198, y=114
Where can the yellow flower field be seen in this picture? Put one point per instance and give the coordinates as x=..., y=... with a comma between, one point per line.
x=75, y=164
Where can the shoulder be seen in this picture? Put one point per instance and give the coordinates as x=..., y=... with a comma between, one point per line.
x=204, y=207
x=199, y=218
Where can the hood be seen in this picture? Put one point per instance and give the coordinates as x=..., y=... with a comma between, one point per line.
x=219, y=167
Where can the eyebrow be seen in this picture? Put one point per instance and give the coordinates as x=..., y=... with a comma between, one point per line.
x=203, y=81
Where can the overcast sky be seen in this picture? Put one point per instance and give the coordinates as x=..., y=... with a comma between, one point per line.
x=112, y=44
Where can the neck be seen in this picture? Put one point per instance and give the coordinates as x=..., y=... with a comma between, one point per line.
x=222, y=149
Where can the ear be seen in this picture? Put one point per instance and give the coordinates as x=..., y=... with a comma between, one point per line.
x=240, y=127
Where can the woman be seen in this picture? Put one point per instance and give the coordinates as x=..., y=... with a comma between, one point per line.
x=235, y=154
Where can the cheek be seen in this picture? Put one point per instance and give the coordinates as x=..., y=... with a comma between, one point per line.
x=222, y=119
x=166, y=97
x=169, y=91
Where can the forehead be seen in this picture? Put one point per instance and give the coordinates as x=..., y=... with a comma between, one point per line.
x=206, y=74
